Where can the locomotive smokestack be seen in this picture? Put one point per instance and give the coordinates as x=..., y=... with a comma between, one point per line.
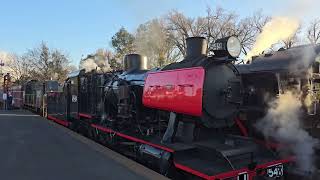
x=135, y=62
x=196, y=47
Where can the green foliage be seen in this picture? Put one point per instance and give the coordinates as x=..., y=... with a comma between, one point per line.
x=123, y=42
x=115, y=64
x=47, y=64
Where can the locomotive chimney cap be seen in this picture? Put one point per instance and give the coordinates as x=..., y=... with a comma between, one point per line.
x=135, y=62
x=196, y=47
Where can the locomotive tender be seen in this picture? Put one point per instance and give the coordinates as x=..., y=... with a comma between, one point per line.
x=181, y=120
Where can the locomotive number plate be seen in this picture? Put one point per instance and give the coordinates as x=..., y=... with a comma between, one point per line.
x=74, y=98
x=275, y=171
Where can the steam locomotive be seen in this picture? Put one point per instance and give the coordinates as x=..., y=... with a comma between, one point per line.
x=180, y=120
x=295, y=69
x=269, y=76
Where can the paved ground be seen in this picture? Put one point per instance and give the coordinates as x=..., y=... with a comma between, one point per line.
x=33, y=148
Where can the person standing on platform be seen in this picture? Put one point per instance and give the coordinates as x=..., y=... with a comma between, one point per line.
x=9, y=101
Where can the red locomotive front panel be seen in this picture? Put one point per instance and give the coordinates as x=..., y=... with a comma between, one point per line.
x=178, y=90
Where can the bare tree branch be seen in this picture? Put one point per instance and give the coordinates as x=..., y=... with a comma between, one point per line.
x=313, y=31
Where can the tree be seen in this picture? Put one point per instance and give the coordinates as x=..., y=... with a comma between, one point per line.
x=313, y=31
x=46, y=64
x=220, y=24
x=248, y=28
x=259, y=20
x=59, y=66
x=123, y=43
x=181, y=27
x=153, y=40
x=290, y=42
x=246, y=34
x=19, y=68
x=217, y=24
x=293, y=40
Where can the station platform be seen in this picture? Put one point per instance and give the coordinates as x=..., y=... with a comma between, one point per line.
x=33, y=148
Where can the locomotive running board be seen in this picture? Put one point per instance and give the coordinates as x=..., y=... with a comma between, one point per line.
x=108, y=130
x=85, y=115
x=59, y=121
x=232, y=173
x=185, y=166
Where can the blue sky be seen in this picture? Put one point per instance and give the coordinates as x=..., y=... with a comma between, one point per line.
x=80, y=27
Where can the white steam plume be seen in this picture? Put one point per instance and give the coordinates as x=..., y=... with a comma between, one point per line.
x=276, y=30
x=282, y=123
x=98, y=62
x=284, y=24
x=89, y=65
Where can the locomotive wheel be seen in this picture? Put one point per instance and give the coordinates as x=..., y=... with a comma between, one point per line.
x=72, y=126
x=169, y=170
x=91, y=133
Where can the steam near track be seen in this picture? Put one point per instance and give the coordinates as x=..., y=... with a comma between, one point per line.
x=282, y=123
x=283, y=119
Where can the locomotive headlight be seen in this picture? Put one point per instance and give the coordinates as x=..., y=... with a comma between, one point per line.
x=229, y=46
x=234, y=46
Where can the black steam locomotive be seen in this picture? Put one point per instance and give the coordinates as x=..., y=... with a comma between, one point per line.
x=294, y=70
x=181, y=120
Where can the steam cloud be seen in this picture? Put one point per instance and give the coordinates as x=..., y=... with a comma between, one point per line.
x=89, y=65
x=153, y=41
x=277, y=29
x=282, y=123
x=98, y=62
x=284, y=24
